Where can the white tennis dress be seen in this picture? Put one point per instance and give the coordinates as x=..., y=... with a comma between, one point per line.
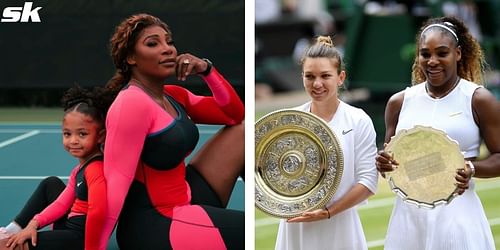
x=461, y=224
x=354, y=129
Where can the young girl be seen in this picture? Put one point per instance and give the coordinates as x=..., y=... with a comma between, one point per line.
x=73, y=210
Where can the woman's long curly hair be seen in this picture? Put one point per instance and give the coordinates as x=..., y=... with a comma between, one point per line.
x=472, y=63
x=123, y=42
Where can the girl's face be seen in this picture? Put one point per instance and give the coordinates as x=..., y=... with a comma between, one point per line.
x=321, y=79
x=438, y=57
x=81, y=135
x=154, y=53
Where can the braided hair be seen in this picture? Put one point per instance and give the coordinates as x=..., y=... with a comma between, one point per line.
x=94, y=102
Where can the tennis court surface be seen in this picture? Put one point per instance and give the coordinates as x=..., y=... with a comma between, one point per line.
x=30, y=152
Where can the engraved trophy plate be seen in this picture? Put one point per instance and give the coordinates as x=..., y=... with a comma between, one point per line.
x=428, y=160
x=298, y=163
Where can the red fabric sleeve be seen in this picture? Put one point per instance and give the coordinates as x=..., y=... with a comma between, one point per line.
x=97, y=202
x=61, y=205
x=127, y=124
x=224, y=107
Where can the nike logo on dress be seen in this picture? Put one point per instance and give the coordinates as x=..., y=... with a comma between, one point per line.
x=79, y=183
x=345, y=132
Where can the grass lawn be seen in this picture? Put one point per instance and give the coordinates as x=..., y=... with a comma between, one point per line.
x=375, y=219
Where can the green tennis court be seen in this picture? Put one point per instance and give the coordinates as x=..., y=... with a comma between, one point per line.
x=375, y=216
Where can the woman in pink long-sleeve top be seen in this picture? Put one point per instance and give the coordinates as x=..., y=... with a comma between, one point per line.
x=158, y=201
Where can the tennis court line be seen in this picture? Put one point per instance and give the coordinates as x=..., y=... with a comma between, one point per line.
x=58, y=131
x=375, y=243
x=390, y=200
x=382, y=202
x=22, y=130
x=370, y=244
x=494, y=222
x=24, y=177
x=19, y=138
x=379, y=243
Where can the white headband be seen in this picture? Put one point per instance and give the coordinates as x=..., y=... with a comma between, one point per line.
x=442, y=26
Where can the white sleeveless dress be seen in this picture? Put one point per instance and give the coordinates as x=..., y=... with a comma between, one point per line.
x=355, y=131
x=462, y=224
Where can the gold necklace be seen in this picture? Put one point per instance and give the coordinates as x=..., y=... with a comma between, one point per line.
x=446, y=93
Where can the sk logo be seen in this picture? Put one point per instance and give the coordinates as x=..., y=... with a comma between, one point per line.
x=21, y=14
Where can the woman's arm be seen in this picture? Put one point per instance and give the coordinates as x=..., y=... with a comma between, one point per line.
x=357, y=194
x=60, y=206
x=366, y=174
x=365, y=151
x=486, y=111
x=97, y=202
x=354, y=196
x=364, y=170
x=384, y=161
x=224, y=107
x=391, y=115
x=127, y=124
x=51, y=213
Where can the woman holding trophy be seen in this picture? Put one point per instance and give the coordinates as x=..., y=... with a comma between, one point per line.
x=337, y=225
x=447, y=95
